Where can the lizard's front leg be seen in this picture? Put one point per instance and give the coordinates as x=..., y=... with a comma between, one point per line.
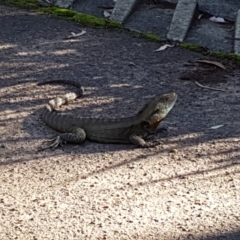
x=77, y=135
x=140, y=142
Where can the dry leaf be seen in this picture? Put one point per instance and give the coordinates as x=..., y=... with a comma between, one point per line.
x=107, y=13
x=165, y=47
x=218, y=64
x=217, y=126
x=217, y=19
x=75, y=35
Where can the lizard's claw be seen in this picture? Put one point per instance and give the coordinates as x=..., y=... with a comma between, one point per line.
x=57, y=141
x=152, y=144
x=54, y=143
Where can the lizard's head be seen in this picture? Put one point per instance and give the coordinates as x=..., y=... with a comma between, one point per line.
x=157, y=109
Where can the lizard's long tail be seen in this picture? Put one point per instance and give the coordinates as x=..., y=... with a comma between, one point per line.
x=59, y=101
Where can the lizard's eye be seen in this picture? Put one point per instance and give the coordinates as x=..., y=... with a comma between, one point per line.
x=165, y=99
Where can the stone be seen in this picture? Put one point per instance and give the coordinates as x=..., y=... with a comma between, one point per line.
x=182, y=19
x=123, y=9
x=237, y=34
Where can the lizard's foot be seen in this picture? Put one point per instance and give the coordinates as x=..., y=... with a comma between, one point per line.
x=140, y=142
x=54, y=143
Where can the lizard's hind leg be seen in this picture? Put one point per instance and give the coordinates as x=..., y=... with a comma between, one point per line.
x=77, y=135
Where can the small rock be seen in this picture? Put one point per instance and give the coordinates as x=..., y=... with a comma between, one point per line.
x=174, y=150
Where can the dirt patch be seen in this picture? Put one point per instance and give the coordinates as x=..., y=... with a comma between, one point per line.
x=104, y=191
x=207, y=73
x=205, y=76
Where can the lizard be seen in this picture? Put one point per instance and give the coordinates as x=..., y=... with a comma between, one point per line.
x=133, y=129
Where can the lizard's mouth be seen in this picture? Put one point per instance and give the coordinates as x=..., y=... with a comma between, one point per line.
x=155, y=124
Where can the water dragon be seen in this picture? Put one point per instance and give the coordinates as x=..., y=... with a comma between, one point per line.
x=133, y=129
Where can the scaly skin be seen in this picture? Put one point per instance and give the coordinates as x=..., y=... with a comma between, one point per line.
x=123, y=130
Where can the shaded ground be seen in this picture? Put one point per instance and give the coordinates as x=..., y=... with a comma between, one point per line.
x=102, y=191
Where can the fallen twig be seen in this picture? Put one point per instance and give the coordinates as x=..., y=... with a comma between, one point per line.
x=217, y=64
x=211, y=88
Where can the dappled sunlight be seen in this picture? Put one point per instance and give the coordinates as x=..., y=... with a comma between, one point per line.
x=15, y=114
x=53, y=42
x=32, y=70
x=10, y=65
x=64, y=52
x=9, y=114
x=7, y=46
x=119, y=85
x=29, y=53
